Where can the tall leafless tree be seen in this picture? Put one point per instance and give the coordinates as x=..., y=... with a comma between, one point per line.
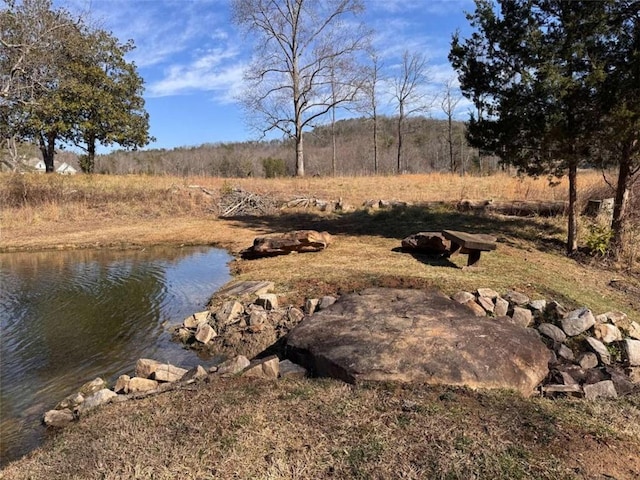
x=368, y=103
x=299, y=42
x=448, y=103
x=409, y=98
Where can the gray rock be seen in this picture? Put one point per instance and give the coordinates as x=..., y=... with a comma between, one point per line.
x=426, y=242
x=553, y=332
x=522, y=316
x=604, y=389
x=631, y=352
x=486, y=303
x=567, y=379
x=71, y=402
x=58, y=418
x=565, y=352
x=257, y=317
x=578, y=321
x=269, y=301
x=417, y=336
x=538, y=307
x=476, y=309
x=233, y=366
x=245, y=289
x=602, y=318
x=122, y=384
x=196, y=373
x=310, y=305
x=229, y=313
x=555, y=310
x=634, y=374
x=502, y=307
x=92, y=387
x=288, y=369
x=99, y=398
x=588, y=360
x=599, y=349
x=205, y=333
x=463, y=297
x=265, y=368
x=295, y=315
x=140, y=385
x=516, y=298
x=487, y=293
x=145, y=367
x=607, y=333
x=169, y=373
x=634, y=330
x=326, y=302
x=183, y=335
x=196, y=319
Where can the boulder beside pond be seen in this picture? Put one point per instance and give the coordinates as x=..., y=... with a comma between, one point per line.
x=417, y=336
x=300, y=241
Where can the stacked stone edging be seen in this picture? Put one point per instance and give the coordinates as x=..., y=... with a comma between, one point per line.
x=594, y=356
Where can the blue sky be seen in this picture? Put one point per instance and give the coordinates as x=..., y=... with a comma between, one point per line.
x=192, y=56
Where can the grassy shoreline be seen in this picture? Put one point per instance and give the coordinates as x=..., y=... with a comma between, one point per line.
x=320, y=428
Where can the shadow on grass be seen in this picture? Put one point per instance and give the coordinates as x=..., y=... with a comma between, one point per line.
x=400, y=222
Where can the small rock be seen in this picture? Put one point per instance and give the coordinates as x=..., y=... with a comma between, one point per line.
x=634, y=330
x=487, y=293
x=567, y=379
x=92, y=387
x=229, y=313
x=538, y=307
x=196, y=373
x=310, y=305
x=600, y=350
x=606, y=332
x=516, y=298
x=634, y=374
x=264, y=368
x=522, y=316
x=288, y=369
x=257, y=317
x=463, y=297
x=619, y=319
x=631, y=352
x=555, y=310
x=566, y=353
x=604, y=389
x=477, y=310
x=233, y=366
x=553, y=332
x=58, y=418
x=122, y=384
x=295, y=315
x=326, y=302
x=578, y=321
x=205, y=333
x=269, y=301
x=602, y=318
x=486, y=303
x=145, y=367
x=196, y=319
x=71, y=402
x=588, y=360
x=621, y=381
x=99, y=398
x=140, y=385
x=169, y=373
x=502, y=307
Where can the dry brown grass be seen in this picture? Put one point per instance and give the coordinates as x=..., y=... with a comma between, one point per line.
x=317, y=429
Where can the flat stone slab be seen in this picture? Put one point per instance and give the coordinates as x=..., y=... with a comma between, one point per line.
x=417, y=336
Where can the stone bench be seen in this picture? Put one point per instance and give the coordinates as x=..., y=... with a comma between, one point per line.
x=471, y=244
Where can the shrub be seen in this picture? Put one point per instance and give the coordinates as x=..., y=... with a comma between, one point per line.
x=274, y=167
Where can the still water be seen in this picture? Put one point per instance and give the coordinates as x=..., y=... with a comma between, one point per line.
x=68, y=317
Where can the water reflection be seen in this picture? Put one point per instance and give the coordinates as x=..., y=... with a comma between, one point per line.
x=67, y=317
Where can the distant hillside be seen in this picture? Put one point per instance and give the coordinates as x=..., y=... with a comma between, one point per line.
x=425, y=149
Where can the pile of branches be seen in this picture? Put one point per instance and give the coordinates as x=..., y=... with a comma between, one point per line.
x=238, y=202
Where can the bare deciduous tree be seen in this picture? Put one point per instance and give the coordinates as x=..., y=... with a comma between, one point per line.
x=369, y=98
x=299, y=44
x=448, y=104
x=407, y=94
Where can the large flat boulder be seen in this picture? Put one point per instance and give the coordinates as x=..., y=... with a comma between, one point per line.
x=417, y=336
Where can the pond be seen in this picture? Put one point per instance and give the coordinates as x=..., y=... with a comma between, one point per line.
x=68, y=317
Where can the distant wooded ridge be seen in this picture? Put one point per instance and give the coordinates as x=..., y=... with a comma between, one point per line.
x=425, y=149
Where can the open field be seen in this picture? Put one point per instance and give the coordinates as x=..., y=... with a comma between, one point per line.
x=324, y=429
